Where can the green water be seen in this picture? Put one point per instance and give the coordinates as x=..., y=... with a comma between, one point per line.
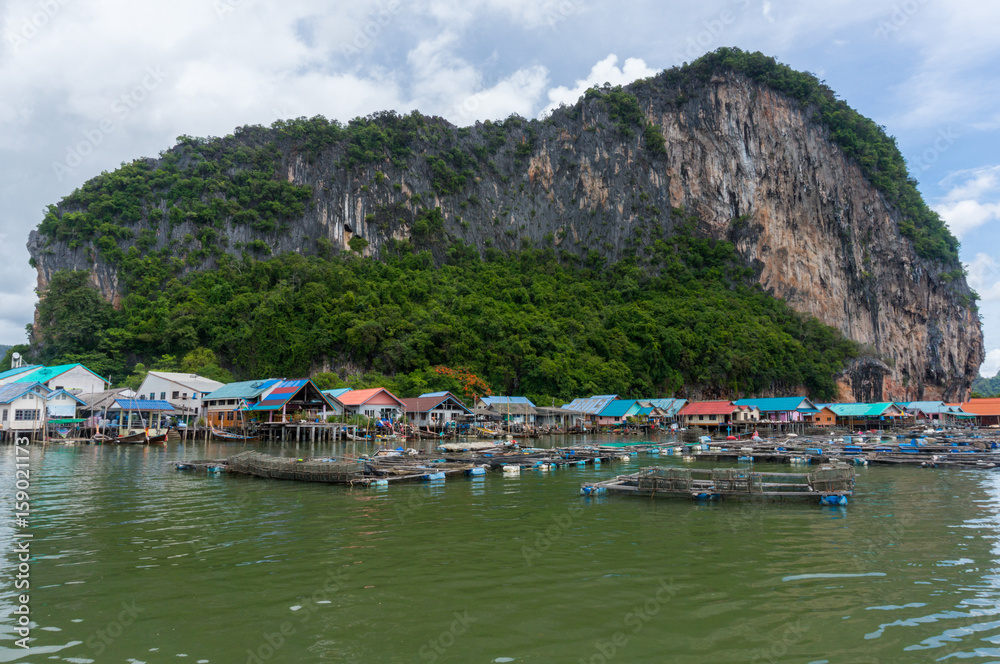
x=136, y=562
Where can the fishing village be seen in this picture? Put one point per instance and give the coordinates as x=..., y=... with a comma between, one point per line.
x=436, y=436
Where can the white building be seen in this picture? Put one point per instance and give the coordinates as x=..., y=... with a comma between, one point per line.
x=22, y=406
x=184, y=391
x=74, y=378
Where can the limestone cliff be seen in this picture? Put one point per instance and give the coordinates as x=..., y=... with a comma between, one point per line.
x=751, y=164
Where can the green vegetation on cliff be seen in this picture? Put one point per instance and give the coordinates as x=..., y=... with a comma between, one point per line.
x=527, y=323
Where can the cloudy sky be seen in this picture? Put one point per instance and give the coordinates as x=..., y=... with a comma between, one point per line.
x=88, y=84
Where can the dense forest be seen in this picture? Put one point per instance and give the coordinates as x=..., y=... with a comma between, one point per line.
x=526, y=323
x=529, y=317
x=986, y=387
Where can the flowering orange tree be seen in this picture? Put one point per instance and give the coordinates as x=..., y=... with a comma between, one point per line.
x=471, y=384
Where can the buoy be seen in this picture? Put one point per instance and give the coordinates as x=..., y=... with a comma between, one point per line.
x=476, y=471
x=434, y=476
x=513, y=470
x=543, y=467
x=380, y=483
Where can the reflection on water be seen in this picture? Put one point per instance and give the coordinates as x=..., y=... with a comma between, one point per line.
x=134, y=561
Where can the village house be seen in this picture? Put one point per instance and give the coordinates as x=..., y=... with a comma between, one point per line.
x=986, y=411
x=296, y=400
x=823, y=417
x=227, y=405
x=74, y=378
x=62, y=405
x=376, y=403
x=617, y=412
x=717, y=414
x=184, y=391
x=781, y=409
x=932, y=412
x=561, y=418
x=670, y=407
x=22, y=405
x=854, y=415
x=434, y=410
x=516, y=410
x=590, y=408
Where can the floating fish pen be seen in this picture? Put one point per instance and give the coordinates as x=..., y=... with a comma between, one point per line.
x=363, y=471
x=831, y=485
x=331, y=471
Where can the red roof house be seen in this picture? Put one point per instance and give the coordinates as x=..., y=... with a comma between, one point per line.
x=376, y=402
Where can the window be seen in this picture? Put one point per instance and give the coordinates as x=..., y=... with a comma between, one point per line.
x=25, y=415
x=176, y=395
x=184, y=395
x=163, y=395
x=4, y=418
x=701, y=417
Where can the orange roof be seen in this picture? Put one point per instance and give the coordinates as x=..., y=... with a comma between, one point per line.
x=982, y=406
x=708, y=408
x=358, y=397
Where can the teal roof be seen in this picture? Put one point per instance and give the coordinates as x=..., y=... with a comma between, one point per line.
x=247, y=389
x=859, y=409
x=620, y=408
x=340, y=391
x=45, y=374
x=19, y=370
x=779, y=404
x=671, y=406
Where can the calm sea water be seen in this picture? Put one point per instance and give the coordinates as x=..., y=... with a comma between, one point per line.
x=133, y=561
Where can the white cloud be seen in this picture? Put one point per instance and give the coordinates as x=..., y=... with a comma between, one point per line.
x=963, y=208
x=984, y=277
x=605, y=71
x=991, y=365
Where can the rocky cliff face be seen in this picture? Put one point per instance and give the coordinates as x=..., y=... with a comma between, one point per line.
x=744, y=160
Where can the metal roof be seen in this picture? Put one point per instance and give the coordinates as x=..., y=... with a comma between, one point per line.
x=929, y=407
x=13, y=372
x=247, y=389
x=671, y=406
x=426, y=404
x=45, y=374
x=860, y=409
x=620, y=408
x=778, y=404
x=280, y=395
x=982, y=406
x=708, y=408
x=337, y=392
x=590, y=405
x=503, y=401
x=360, y=397
x=144, y=404
x=14, y=390
x=434, y=394
x=194, y=382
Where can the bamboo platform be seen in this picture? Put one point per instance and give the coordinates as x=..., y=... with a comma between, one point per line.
x=830, y=485
x=362, y=471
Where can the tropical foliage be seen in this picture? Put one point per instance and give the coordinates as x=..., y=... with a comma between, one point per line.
x=529, y=323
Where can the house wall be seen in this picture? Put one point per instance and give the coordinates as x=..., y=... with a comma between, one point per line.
x=61, y=406
x=381, y=399
x=30, y=405
x=75, y=379
x=157, y=387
